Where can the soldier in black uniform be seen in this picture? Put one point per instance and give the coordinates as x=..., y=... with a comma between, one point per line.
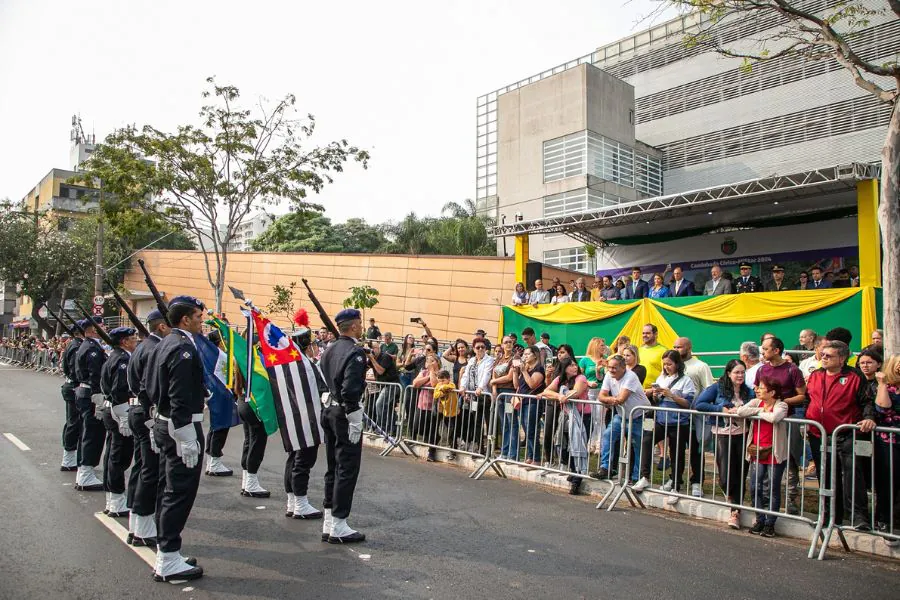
x=174, y=383
x=747, y=283
x=344, y=368
x=144, y=477
x=119, y=442
x=73, y=418
x=89, y=361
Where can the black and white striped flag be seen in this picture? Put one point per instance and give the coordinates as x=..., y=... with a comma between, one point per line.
x=297, y=404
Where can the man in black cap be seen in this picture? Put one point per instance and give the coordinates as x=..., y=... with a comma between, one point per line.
x=174, y=383
x=119, y=443
x=72, y=428
x=89, y=361
x=142, y=483
x=344, y=368
x=747, y=283
x=777, y=284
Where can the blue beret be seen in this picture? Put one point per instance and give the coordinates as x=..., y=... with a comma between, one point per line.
x=98, y=320
x=119, y=333
x=155, y=315
x=190, y=300
x=83, y=323
x=348, y=314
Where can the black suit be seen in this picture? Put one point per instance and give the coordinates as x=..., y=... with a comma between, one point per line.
x=686, y=288
x=89, y=361
x=144, y=478
x=747, y=285
x=641, y=291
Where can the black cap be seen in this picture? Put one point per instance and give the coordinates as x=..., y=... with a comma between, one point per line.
x=745, y=265
x=777, y=268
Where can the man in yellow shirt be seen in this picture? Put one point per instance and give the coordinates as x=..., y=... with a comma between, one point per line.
x=651, y=354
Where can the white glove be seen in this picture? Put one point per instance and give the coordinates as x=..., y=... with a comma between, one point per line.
x=120, y=414
x=98, y=399
x=149, y=423
x=188, y=448
x=355, y=428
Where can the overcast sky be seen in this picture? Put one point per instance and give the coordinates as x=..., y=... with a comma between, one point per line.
x=398, y=78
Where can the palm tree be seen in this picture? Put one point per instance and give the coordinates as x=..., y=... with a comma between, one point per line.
x=470, y=228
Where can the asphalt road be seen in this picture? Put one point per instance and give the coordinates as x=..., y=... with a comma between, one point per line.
x=433, y=533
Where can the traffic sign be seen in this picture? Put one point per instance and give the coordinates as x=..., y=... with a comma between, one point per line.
x=99, y=300
x=98, y=311
x=42, y=312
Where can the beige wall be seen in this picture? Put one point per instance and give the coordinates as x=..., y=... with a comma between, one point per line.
x=455, y=295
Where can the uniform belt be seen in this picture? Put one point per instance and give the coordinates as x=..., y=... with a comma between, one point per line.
x=69, y=381
x=134, y=402
x=107, y=404
x=195, y=418
x=84, y=385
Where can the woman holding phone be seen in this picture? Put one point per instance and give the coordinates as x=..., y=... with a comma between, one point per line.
x=528, y=379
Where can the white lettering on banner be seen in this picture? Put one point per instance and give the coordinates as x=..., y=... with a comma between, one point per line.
x=729, y=262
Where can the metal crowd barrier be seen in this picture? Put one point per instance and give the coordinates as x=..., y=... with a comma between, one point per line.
x=380, y=402
x=44, y=360
x=687, y=444
x=873, y=481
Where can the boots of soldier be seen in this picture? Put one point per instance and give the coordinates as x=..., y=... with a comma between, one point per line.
x=87, y=481
x=69, y=461
x=252, y=487
x=341, y=533
x=304, y=510
x=215, y=468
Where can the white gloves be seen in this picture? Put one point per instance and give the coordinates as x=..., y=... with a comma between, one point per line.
x=120, y=414
x=188, y=448
x=149, y=423
x=355, y=428
x=98, y=399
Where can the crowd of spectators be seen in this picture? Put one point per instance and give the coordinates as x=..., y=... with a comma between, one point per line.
x=720, y=282
x=32, y=349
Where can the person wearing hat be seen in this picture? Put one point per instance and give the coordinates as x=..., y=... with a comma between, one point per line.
x=174, y=383
x=344, y=368
x=88, y=397
x=373, y=332
x=777, y=284
x=119, y=442
x=747, y=283
x=144, y=479
x=72, y=427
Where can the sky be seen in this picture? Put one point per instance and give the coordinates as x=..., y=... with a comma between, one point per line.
x=400, y=79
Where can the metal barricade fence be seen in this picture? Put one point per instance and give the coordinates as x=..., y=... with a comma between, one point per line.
x=380, y=403
x=865, y=471
x=736, y=479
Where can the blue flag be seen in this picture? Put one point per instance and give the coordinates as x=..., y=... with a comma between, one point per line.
x=222, y=406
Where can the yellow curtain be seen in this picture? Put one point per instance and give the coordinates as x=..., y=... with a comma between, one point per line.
x=869, y=318
x=761, y=307
x=574, y=312
x=647, y=313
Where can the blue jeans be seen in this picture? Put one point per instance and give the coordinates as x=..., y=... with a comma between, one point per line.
x=765, y=489
x=531, y=411
x=510, y=445
x=611, y=436
x=385, y=415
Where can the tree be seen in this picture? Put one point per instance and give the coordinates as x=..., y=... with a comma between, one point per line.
x=827, y=35
x=361, y=298
x=311, y=231
x=358, y=236
x=282, y=301
x=409, y=236
x=207, y=178
x=470, y=229
x=40, y=260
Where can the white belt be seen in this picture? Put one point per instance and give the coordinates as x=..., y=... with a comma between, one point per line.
x=84, y=385
x=134, y=402
x=69, y=380
x=107, y=404
x=195, y=418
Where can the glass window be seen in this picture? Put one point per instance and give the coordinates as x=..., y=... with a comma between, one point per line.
x=567, y=258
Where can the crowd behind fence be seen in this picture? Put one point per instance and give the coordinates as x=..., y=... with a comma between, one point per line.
x=683, y=454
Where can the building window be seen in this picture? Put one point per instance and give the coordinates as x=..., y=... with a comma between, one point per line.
x=577, y=201
x=574, y=259
x=564, y=157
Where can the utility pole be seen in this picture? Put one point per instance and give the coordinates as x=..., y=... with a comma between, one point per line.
x=98, y=262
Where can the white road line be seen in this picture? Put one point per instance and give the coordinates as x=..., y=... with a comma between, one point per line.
x=19, y=443
x=147, y=555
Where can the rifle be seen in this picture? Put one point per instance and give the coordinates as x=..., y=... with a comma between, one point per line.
x=58, y=320
x=75, y=324
x=156, y=295
x=131, y=316
x=326, y=320
x=100, y=331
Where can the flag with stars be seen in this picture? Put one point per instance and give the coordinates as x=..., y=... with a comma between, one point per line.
x=294, y=387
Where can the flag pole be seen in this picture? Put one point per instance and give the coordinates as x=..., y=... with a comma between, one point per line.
x=249, y=354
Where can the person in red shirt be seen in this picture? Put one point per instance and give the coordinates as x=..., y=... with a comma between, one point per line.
x=836, y=395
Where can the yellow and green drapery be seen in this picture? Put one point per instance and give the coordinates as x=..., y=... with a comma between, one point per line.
x=714, y=324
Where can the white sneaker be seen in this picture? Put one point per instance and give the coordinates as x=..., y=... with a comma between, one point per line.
x=668, y=485
x=87, y=480
x=642, y=484
x=672, y=500
x=69, y=460
x=253, y=489
x=215, y=468
x=304, y=510
x=696, y=490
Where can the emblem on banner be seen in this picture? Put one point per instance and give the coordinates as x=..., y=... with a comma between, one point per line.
x=729, y=246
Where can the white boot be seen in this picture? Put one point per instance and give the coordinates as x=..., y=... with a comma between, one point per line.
x=243, y=481
x=215, y=468
x=86, y=480
x=144, y=530
x=289, y=511
x=341, y=533
x=304, y=510
x=118, y=505
x=69, y=460
x=327, y=522
x=131, y=519
x=172, y=566
x=253, y=489
x=106, y=506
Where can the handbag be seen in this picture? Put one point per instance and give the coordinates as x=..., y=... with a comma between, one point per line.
x=758, y=453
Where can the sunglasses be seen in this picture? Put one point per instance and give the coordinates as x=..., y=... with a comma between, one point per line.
x=479, y=347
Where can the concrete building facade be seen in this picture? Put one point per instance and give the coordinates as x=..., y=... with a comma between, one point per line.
x=649, y=116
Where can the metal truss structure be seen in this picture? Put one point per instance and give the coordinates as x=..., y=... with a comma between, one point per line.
x=583, y=226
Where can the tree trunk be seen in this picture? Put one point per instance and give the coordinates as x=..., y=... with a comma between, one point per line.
x=889, y=219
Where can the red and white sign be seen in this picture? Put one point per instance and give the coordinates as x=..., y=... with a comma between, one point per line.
x=99, y=300
x=42, y=312
x=98, y=311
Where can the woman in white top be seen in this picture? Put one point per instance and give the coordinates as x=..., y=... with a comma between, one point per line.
x=520, y=296
x=560, y=296
x=726, y=396
x=476, y=380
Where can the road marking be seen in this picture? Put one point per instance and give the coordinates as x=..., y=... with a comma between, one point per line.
x=147, y=555
x=19, y=443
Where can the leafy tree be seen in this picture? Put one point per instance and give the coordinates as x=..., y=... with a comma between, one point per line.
x=313, y=232
x=409, y=236
x=362, y=297
x=282, y=301
x=41, y=260
x=827, y=35
x=358, y=236
x=211, y=176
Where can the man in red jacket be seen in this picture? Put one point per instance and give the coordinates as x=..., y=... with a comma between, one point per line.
x=835, y=395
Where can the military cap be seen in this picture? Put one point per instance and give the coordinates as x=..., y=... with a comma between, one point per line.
x=155, y=315
x=777, y=268
x=745, y=265
x=348, y=314
x=120, y=333
x=189, y=300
